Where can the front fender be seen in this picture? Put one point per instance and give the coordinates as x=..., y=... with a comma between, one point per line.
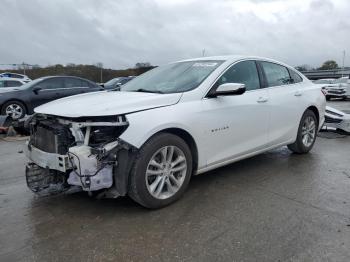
x=144, y=124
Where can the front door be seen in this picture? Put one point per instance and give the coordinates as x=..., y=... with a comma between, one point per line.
x=236, y=125
x=47, y=90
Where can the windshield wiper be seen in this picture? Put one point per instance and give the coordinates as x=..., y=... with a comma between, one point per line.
x=148, y=91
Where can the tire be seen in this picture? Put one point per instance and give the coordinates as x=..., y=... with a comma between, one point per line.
x=15, y=109
x=143, y=180
x=303, y=145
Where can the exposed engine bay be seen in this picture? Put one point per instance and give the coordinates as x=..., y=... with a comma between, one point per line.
x=80, y=154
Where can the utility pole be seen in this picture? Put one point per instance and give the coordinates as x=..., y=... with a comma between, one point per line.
x=100, y=65
x=203, y=52
x=342, y=73
x=24, y=68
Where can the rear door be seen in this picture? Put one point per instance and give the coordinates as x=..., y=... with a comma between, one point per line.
x=73, y=86
x=76, y=86
x=286, y=105
x=88, y=86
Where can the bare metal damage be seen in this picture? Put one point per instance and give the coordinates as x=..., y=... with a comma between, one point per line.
x=70, y=155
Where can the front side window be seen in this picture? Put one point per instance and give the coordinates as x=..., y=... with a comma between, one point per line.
x=276, y=75
x=242, y=73
x=53, y=83
x=173, y=78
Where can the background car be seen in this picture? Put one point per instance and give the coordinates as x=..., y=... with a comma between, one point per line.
x=11, y=82
x=343, y=82
x=117, y=82
x=16, y=102
x=15, y=75
x=332, y=88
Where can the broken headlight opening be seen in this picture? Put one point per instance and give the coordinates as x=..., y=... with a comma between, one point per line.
x=80, y=154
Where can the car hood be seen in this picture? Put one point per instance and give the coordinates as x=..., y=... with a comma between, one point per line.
x=106, y=103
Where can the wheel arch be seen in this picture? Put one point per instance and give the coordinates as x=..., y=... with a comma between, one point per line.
x=15, y=100
x=316, y=112
x=188, y=138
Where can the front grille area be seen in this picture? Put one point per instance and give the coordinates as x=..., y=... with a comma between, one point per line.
x=337, y=92
x=332, y=120
x=51, y=137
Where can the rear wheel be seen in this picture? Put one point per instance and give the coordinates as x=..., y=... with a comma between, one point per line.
x=306, y=133
x=14, y=109
x=161, y=171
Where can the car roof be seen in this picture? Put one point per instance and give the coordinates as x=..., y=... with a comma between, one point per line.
x=326, y=79
x=234, y=58
x=11, y=78
x=47, y=77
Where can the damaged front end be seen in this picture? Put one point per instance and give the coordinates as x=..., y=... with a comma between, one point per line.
x=78, y=154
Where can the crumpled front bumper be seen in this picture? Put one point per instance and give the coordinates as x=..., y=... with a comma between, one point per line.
x=47, y=160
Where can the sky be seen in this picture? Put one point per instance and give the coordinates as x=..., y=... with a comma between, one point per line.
x=121, y=33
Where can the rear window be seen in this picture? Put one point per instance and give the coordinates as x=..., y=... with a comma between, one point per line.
x=276, y=75
x=72, y=82
x=296, y=78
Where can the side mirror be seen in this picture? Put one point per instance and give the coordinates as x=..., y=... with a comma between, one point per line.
x=228, y=89
x=36, y=89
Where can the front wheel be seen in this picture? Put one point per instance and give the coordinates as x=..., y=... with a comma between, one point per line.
x=306, y=133
x=14, y=109
x=161, y=171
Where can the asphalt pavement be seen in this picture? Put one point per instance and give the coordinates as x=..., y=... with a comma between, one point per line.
x=276, y=206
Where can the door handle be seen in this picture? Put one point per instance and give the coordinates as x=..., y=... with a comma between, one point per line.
x=262, y=99
x=298, y=93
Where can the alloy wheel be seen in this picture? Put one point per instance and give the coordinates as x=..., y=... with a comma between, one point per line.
x=308, y=132
x=166, y=172
x=15, y=111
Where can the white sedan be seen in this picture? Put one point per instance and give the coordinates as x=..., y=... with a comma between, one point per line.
x=11, y=82
x=175, y=121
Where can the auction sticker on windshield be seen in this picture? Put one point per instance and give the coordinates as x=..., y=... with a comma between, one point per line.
x=209, y=64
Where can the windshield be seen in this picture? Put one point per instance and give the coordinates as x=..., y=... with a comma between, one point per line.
x=112, y=81
x=173, y=78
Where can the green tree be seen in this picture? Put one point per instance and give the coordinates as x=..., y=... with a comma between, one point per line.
x=304, y=67
x=330, y=64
